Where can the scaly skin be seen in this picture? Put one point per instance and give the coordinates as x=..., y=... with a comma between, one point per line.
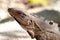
x=35, y=26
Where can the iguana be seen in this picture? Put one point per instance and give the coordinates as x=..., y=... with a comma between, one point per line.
x=35, y=26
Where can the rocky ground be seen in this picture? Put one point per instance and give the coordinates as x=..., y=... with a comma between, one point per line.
x=12, y=31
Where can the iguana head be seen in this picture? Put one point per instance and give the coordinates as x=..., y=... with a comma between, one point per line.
x=26, y=21
x=34, y=25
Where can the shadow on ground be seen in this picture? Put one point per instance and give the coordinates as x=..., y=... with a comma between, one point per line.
x=14, y=35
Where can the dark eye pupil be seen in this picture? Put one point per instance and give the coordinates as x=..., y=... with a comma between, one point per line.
x=51, y=23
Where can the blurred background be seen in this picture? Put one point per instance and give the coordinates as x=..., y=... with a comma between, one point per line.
x=9, y=28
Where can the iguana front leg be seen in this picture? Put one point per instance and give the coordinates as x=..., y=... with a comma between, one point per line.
x=31, y=34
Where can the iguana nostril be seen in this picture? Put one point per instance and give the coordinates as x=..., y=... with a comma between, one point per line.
x=9, y=9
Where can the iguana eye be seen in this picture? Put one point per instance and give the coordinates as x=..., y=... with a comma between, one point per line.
x=51, y=23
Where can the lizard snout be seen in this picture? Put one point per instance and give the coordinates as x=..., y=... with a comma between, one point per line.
x=10, y=9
